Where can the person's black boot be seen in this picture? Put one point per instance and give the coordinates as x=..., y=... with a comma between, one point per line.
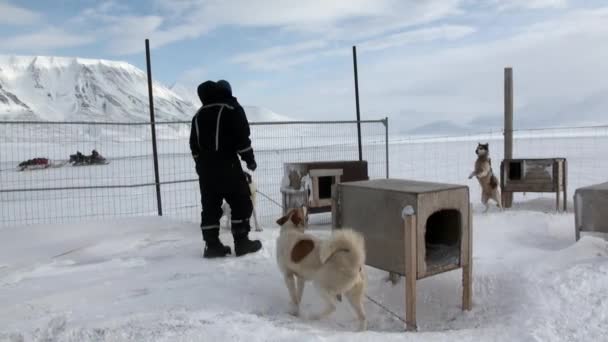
x=242, y=245
x=214, y=248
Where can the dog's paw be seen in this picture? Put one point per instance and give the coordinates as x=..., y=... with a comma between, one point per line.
x=363, y=325
x=393, y=278
x=314, y=317
x=294, y=310
x=259, y=229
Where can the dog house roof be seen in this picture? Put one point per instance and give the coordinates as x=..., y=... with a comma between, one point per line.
x=402, y=185
x=595, y=187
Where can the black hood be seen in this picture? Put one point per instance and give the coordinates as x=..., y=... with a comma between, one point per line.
x=208, y=92
x=211, y=92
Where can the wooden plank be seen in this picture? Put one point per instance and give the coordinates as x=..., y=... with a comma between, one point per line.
x=565, y=182
x=507, y=197
x=556, y=185
x=410, y=272
x=467, y=269
x=529, y=188
x=376, y=213
x=438, y=270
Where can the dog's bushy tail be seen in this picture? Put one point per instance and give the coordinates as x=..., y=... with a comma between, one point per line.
x=493, y=182
x=344, y=241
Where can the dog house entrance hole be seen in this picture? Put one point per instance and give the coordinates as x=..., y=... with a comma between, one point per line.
x=325, y=184
x=515, y=170
x=442, y=238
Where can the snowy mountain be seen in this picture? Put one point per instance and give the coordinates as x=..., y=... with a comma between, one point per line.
x=67, y=89
x=77, y=89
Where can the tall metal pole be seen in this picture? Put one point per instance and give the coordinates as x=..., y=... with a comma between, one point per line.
x=153, y=129
x=507, y=197
x=386, y=145
x=357, y=101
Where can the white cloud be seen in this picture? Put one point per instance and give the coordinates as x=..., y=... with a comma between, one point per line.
x=556, y=66
x=284, y=56
x=443, y=32
x=529, y=4
x=192, y=77
x=126, y=34
x=333, y=20
x=13, y=15
x=45, y=39
x=281, y=56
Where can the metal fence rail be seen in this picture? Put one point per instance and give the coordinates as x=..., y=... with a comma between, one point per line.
x=127, y=185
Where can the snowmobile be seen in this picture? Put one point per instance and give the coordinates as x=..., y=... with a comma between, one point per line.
x=80, y=159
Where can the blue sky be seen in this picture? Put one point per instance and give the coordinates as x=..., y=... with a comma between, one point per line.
x=421, y=62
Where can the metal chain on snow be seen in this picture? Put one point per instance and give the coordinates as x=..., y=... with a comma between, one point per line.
x=385, y=309
x=270, y=199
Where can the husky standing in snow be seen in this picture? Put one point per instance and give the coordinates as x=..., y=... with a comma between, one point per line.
x=485, y=176
x=336, y=266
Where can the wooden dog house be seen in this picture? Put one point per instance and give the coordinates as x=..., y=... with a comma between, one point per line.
x=309, y=183
x=411, y=228
x=535, y=175
x=590, y=209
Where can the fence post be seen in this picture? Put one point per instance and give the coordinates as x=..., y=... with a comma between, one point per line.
x=385, y=122
x=507, y=197
x=357, y=102
x=153, y=129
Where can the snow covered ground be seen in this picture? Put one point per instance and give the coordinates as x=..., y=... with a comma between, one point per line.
x=143, y=279
x=112, y=276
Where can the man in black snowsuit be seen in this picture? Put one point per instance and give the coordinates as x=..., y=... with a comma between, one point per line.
x=219, y=135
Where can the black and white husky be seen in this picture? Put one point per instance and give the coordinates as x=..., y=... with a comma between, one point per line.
x=483, y=171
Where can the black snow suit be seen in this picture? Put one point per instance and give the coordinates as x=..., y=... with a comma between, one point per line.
x=220, y=134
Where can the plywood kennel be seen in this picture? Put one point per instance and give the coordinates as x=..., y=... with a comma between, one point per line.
x=309, y=183
x=536, y=175
x=591, y=209
x=415, y=229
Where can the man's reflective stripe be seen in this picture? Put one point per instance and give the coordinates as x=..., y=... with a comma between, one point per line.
x=213, y=226
x=217, y=129
x=222, y=105
x=245, y=149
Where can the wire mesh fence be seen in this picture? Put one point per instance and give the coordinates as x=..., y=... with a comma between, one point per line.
x=58, y=190
x=125, y=186
x=450, y=158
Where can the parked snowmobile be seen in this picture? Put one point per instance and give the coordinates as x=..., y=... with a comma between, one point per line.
x=80, y=159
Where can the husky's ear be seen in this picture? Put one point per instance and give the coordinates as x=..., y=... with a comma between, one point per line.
x=284, y=219
x=301, y=249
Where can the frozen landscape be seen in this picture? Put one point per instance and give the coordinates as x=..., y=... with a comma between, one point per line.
x=143, y=279
x=95, y=264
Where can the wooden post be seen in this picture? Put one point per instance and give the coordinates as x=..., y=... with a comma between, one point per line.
x=557, y=183
x=507, y=197
x=565, y=174
x=410, y=272
x=467, y=269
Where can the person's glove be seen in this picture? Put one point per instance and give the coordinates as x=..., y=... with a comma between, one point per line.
x=251, y=165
